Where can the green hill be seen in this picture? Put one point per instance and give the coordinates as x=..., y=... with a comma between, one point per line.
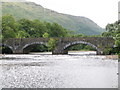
x=32, y=11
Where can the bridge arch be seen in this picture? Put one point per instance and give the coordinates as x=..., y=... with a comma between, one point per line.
x=7, y=46
x=80, y=42
x=27, y=47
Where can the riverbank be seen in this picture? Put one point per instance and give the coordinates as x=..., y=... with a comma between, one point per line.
x=112, y=56
x=74, y=52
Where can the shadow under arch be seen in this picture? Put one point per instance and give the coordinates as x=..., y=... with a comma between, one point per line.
x=65, y=48
x=6, y=49
x=29, y=47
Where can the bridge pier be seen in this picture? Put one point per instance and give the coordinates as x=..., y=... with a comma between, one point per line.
x=99, y=52
x=17, y=51
x=59, y=51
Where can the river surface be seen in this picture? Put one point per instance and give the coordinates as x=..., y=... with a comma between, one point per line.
x=43, y=70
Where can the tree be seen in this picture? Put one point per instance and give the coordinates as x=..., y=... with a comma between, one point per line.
x=78, y=35
x=9, y=26
x=113, y=30
x=39, y=28
x=57, y=30
x=22, y=34
x=46, y=35
x=9, y=33
x=13, y=29
x=51, y=44
x=25, y=25
x=8, y=21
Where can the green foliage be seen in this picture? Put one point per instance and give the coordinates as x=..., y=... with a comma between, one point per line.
x=117, y=42
x=8, y=21
x=8, y=26
x=106, y=34
x=107, y=51
x=87, y=47
x=78, y=35
x=95, y=36
x=46, y=35
x=25, y=24
x=82, y=47
x=56, y=30
x=39, y=48
x=38, y=29
x=1, y=36
x=51, y=44
x=119, y=57
x=9, y=33
x=117, y=38
x=25, y=28
x=22, y=34
x=113, y=30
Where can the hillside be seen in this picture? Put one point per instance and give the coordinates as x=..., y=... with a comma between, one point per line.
x=32, y=11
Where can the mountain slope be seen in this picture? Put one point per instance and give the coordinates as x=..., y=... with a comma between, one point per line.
x=32, y=11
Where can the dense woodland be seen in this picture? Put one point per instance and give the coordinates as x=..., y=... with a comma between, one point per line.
x=25, y=28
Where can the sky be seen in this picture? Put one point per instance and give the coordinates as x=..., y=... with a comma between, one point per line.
x=101, y=12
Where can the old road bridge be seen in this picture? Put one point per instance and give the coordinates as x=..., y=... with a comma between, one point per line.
x=23, y=45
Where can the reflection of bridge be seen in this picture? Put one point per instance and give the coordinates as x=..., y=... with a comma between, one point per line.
x=24, y=45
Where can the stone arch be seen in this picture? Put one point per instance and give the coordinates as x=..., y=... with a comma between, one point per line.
x=8, y=46
x=80, y=42
x=33, y=43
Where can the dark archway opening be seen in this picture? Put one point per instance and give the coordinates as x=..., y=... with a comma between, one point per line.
x=35, y=48
x=6, y=50
x=81, y=49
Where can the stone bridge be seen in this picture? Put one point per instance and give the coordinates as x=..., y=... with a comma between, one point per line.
x=23, y=45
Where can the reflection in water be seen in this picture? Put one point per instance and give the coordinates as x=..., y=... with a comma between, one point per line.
x=76, y=70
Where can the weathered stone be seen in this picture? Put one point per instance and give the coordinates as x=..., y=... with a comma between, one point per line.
x=19, y=46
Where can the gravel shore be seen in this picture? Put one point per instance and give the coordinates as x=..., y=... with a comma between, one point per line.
x=112, y=57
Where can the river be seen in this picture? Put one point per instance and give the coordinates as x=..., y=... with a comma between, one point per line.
x=43, y=70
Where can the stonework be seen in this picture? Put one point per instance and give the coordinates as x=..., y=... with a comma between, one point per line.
x=19, y=46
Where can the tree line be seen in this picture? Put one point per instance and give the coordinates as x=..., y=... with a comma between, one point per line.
x=25, y=28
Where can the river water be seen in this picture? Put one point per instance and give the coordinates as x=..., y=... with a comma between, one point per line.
x=43, y=70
